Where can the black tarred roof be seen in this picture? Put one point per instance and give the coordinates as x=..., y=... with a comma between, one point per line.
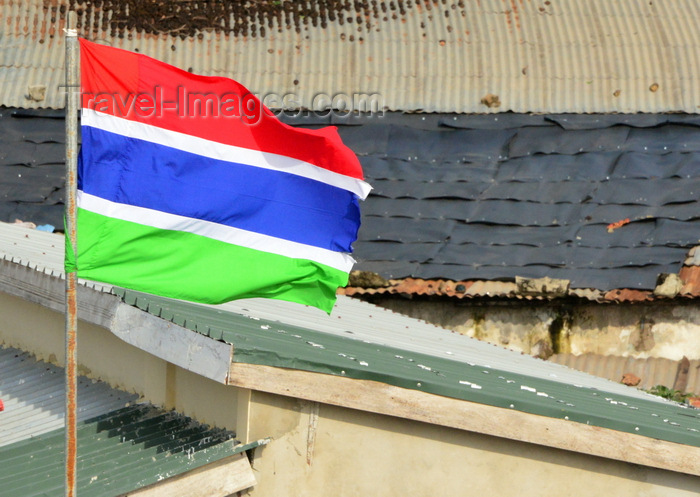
x=605, y=201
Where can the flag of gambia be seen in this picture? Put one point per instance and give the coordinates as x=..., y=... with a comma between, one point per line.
x=189, y=188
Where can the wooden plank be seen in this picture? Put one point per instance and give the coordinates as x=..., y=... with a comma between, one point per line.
x=390, y=400
x=243, y=419
x=220, y=479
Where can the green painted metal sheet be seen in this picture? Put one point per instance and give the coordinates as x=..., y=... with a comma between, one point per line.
x=117, y=453
x=257, y=341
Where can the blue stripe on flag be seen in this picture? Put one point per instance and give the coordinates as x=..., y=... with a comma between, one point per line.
x=144, y=174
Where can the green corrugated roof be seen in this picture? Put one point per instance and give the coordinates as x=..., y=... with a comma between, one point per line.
x=271, y=343
x=118, y=452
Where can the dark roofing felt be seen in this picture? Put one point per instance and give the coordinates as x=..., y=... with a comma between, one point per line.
x=494, y=197
x=32, y=170
x=464, y=197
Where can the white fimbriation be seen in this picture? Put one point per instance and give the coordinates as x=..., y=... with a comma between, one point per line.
x=221, y=151
x=215, y=231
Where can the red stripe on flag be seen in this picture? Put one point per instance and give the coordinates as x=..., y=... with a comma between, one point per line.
x=142, y=89
x=106, y=69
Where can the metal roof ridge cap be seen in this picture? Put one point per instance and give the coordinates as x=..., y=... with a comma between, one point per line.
x=190, y=350
x=48, y=290
x=178, y=345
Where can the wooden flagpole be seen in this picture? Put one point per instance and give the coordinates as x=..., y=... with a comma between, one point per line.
x=72, y=93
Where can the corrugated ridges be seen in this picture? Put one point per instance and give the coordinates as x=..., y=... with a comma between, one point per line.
x=479, y=289
x=34, y=396
x=565, y=56
x=651, y=371
x=463, y=290
x=118, y=452
x=351, y=320
x=122, y=445
x=38, y=250
x=31, y=246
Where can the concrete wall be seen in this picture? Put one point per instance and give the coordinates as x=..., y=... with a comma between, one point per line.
x=319, y=450
x=637, y=330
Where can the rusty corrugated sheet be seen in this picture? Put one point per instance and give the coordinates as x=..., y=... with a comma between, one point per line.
x=587, y=294
x=652, y=371
x=499, y=289
x=459, y=56
x=442, y=288
x=459, y=289
x=488, y=289
x=629, y=295
x=690, y=276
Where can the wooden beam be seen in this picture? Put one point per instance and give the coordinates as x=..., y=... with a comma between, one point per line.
x=390, y=400
x=220, y=479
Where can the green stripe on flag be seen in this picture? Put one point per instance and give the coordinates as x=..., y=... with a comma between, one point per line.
x=192, y=267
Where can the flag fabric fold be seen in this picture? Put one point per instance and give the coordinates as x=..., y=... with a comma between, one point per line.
x=188, y=187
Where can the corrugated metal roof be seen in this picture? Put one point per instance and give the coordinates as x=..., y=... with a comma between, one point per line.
x=118, y=452
x=37, y=249
x=690, y=276
x=651, y=371
x=352, y=318
x=480, y=289
x=526, y=56
x=457, y=367
x=471, y=289
x=122, y=445
x=34, y=396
